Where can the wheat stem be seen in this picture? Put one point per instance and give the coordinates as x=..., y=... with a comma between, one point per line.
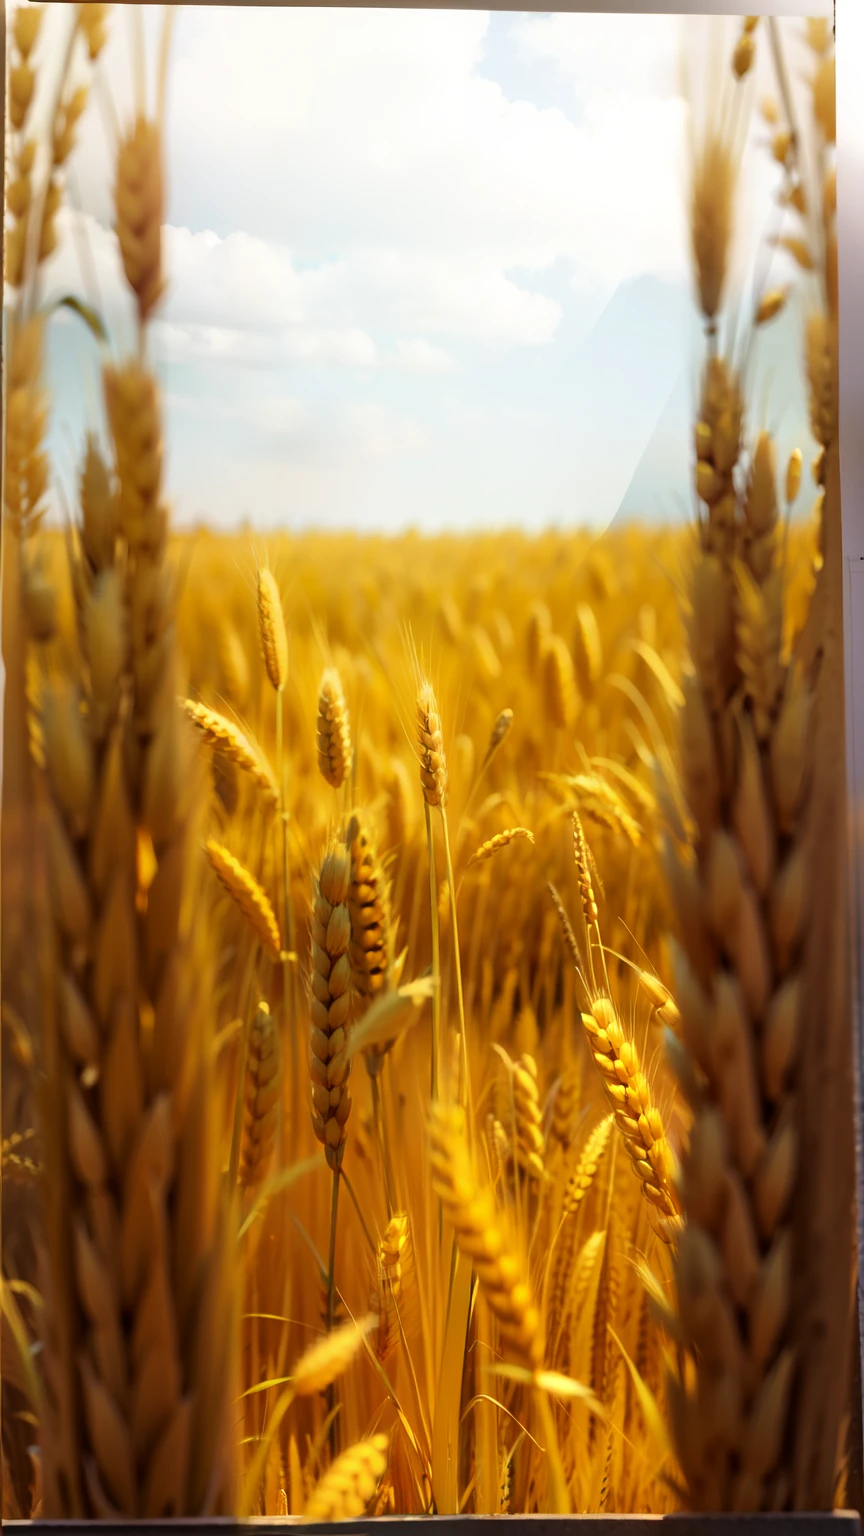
x=289, y=957
x=436, y=952
x=560, y=1492
x=378, y=1112
x=331, y=1297
x=465, y=1094
x=360, y=1217
x=242, y=1056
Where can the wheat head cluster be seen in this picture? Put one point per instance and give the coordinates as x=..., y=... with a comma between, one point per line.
x=426, y=1041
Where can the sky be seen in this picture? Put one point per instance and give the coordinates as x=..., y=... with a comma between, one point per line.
x=426, y=268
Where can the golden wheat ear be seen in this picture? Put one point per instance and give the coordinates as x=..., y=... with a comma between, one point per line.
x=470, y=1206
x=331, y=1002
x=347, y=1489
x=430, y=742
x=271, y=629
x=335, y=752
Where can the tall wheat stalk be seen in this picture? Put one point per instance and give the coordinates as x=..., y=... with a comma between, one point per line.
x=139, y=1283
x=761, y=973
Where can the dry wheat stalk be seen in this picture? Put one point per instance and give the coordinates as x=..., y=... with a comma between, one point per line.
x=637, y=1117
x=330, y=1357
x=559, y=687
x=25, y=480
x=735, y=984
x=585, y=1171
x=271, y=629
x=741, y=894
x=233, y=665
x=500, y=729
x=528, y=1118
x=538, y=631
x=500, y=840
x=347, y=1488
x=822, y=1230
x=139, y=197
x=92, y=18
x=587, y=651
x=433, y=764
x=334, y=730
x=711, y=217
x=568, y=1097
x=224, y=736
x=470, y=1207
x=244, y=889
x=578, y=1185
x=331, y=1002
x=99, y=513
x=261, y=1098
x=139, y=1332
x=371, y=948
x=393, y=1298
x=15, y=1165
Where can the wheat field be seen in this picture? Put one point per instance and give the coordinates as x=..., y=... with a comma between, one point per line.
x=423, y=971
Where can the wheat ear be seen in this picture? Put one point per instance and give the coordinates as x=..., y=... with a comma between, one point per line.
x=371, y=947
x=433, y=764
x=330, y=1004
x=470, y=1206
x=500, y=840
x=139, y=1315
x=559, y=686
x=244, y=889
x=394, y=1299
x=739, y=893
x=587, y=651
x=638, y=1119
x=261, y=1099
x=140, y=209
x=271, y=629
x=346, y=1489
x=334, y=730
x=330, y=1357
x=224, y=736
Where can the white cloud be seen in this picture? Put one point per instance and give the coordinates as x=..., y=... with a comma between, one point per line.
x=597, y=52
x=416, y=355
x=332, y=132
x=352, y=201
x=243, y=300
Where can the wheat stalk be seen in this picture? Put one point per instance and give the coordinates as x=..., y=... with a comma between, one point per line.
x=139, y=197
x=587, y=651
x=371, y=947
x=470, y=1207
x=224, y=736
x=347, y=1488
x=559, y=687
x=139, y=1334
x=500, y=840
x=433, y=764
x=637, y=1117
x=330, y=1357
x=261, y=1098
x=740, y=896
x=334, y=730
x=244, y=889
x=393, y=1298
x=271, y=629
x=330, y=1002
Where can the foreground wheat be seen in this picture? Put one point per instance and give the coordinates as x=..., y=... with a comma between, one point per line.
x=741, y=891
x=345, y=1491
x=471, y=1208
x=139, y=1337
